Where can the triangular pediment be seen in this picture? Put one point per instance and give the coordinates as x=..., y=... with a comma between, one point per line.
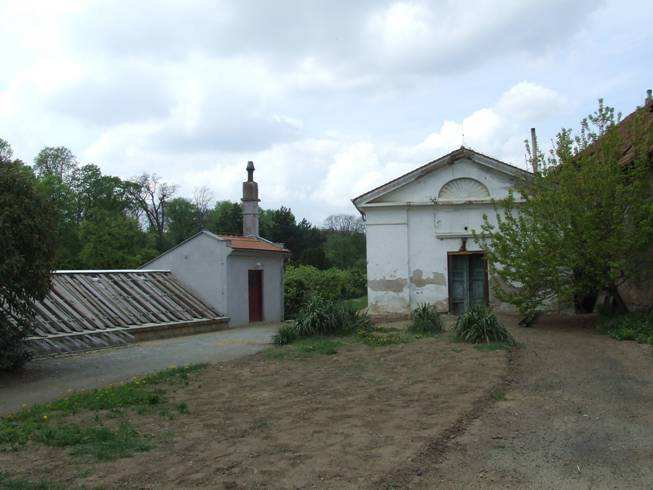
x=463, y=174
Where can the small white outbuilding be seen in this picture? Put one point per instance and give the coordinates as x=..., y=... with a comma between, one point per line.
x=240, y=276
x=419, y=233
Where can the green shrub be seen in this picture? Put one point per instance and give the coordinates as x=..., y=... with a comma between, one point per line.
x=303, y=282
x=426, y=319
x=479, y=325
x=629, y=326
x=286, y=335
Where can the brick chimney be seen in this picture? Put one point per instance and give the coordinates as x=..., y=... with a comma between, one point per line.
x=250, y=203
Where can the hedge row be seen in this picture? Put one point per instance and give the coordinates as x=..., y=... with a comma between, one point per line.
x=304, y=281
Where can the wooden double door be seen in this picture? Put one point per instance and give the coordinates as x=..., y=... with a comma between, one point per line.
x=255, y=280
x=468, y=283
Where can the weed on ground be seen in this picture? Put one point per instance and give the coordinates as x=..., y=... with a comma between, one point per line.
x=104, y=435
x=304, y=348
x=498, y=395
x=8, y=483
x=637, y=326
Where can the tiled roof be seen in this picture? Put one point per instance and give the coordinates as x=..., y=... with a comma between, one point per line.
x=252, y=243
x=628, y=128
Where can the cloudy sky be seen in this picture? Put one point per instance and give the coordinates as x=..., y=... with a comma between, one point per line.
x=329, y=98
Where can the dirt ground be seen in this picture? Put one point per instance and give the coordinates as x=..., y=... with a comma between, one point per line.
x=578, y=413
x=568, y=409
x=329, y=421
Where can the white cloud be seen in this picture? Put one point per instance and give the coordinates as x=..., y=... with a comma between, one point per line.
x=527, y=101
x=328, y=98
x=498, y=131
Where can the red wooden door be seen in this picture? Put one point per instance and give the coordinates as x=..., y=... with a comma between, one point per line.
x=255, y=279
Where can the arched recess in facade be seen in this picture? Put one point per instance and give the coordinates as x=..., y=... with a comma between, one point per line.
x=463, y=189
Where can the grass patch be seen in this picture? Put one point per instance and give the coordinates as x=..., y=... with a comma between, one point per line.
x=98, y=442
x=7, y=483
x=307, y=347
x=45, y=423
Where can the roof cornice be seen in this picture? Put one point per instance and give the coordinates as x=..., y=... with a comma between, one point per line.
x=448, y=159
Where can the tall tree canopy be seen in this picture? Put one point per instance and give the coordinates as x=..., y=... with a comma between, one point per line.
x=27, y=244
x=583, y=224
x=58, y=161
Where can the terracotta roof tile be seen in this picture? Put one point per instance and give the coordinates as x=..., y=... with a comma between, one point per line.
x=252, y=243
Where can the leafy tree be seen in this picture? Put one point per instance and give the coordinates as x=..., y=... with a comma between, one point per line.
x=113, y=241
x=62, y=199
x=226, y=218
x=26, y=240
x=6, y=152
x=310, y=245
x=345, y=250
x=184, y=220
x=58, y=161
x=280, y=226
x=583, y=224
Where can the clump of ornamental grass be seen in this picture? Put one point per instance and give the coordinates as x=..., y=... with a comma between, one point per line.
x=322, y=317
x=426, y=320
x=479, y=325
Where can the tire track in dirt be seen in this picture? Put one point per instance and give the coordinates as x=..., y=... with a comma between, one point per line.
x=434, y=452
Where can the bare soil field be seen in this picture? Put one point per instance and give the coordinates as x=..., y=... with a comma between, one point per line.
x=577, y=413
x=287, y=419
x=568, y=408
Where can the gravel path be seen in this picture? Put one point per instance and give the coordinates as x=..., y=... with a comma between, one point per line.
x=577, y=413
x=47, y=379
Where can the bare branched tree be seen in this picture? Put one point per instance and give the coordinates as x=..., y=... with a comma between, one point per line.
x=203, y=200
x=152, y=195
x=344, y=223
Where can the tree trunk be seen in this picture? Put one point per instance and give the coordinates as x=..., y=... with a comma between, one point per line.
x=585, y=303
x=613, y=303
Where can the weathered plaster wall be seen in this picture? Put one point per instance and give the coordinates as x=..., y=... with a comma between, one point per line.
x=201, y=264
x=408, y=238
x=239, y=263
x=387, y=261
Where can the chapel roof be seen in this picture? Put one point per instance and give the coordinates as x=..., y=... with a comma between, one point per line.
x=448, y=159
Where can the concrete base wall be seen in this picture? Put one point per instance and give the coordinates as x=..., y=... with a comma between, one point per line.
x=182, y=329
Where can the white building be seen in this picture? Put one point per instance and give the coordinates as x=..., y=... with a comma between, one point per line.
x=419, y=233
x=240, y=276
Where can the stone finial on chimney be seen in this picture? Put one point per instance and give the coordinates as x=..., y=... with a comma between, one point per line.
x=534, y=151
x=250, y=202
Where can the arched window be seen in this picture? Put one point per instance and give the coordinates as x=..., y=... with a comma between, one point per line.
x=463, y=189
